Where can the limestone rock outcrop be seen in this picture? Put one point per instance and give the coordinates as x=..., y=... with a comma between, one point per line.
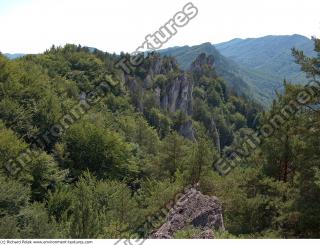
x=172, y=96
x=193, y=208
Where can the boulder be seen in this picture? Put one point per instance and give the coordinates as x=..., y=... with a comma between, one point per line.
x=193, y=208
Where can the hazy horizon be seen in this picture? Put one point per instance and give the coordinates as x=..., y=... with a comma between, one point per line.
x=111, y=52
x=123, y=25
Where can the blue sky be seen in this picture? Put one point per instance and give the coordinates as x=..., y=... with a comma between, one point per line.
x=6, y=5
x=32, y=26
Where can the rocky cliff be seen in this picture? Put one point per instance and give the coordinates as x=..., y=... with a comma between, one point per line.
x=171, y=88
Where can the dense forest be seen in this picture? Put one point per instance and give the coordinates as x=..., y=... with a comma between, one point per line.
x=88, y=151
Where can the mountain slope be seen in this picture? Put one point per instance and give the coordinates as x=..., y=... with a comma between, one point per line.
x=254, y=66
x=224, y=67
x=269, y=54
x=244, y=80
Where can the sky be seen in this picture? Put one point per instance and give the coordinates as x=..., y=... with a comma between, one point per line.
x=32, y=26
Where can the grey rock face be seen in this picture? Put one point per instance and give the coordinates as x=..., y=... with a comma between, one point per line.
x=194, y=209
x=177, y=96
x=174, y=96
x=201, y=61
x=186, y=130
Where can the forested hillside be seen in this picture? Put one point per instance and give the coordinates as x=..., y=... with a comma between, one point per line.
x=269, y=54
x=87, y=151
x=254, y=66
x=224, y=67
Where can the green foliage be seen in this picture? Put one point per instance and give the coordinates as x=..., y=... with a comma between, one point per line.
x=187, y=233
x=115, y=171
x=9, y=228
x=174, y=149
x=44, y=175
x=85, y=220
x=103, y=152
x=200, y=161
x=160, y=121
x=14, y=196
x=137, y=130
x=10, y=148
x=35, y=223
x=59, y=203
x=121, y=207
x=102, y=209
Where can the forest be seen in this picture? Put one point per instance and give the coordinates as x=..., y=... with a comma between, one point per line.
x=88, y=151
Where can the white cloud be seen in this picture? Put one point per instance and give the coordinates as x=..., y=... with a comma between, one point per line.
x=121, y=25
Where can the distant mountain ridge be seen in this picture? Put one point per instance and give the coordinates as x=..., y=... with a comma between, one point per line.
x=255, y=66
x=224, y=67
x=14, y=56
x=242, y=80
x=269, y=54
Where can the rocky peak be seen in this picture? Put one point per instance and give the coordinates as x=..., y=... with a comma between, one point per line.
x=161, y=65
x=172, y=94
x=202, y=61
x=193, y=208
x=177, y=95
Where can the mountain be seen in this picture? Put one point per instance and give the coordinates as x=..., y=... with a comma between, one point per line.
x=224, y=67
x=254, y=66
x=13, y=56
x=242, y=79
x=88, y=150
x=269, y=54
